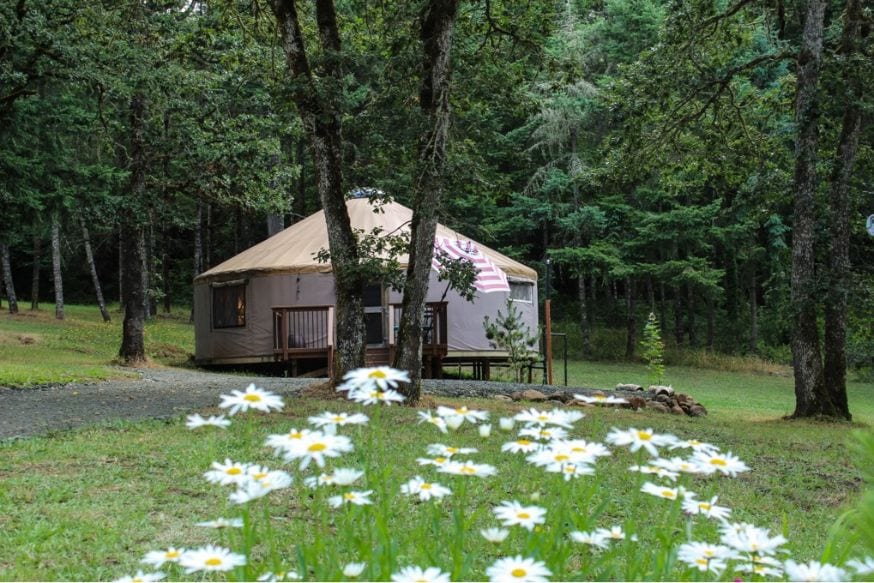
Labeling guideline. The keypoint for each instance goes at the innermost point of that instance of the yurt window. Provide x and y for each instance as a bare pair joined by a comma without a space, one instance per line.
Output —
521,291
229,306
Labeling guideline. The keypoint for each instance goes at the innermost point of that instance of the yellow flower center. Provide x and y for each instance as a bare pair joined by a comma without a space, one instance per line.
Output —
708,553
461,410
377,374
379,394
213,562
705,506
440,460
295,435
543,418
644,435
338,419
233,471
252,397
600,397
668,494
349,496
518,572
523,515
545,433
570,469
451,450
579,449
425,486
169,555
701,561
523,442
260,475
561,457
718,461
467,470
317,447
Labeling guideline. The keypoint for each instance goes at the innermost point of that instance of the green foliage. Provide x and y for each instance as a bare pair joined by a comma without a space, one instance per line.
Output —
653,350
509,333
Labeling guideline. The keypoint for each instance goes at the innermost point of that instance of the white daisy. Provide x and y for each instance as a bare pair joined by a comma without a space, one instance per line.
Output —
521,445
518,568
543,433
210,558
749,538
280,576
495,535
352,570
195,421
141,577
724,463
424,490
660,491
705,557
570,470
676,464
222,523
453,422
328,419
435,420
257,487
709,509
157,558
506,423
375,396
555,417
593,539
601,399
229,472
378,377
660,472
640,438
694,445
252,398
469,415
613,533
316,446
439,461
864,566
419,575
512,513
283,441
358,498
467,469
814,571
438,449
485,430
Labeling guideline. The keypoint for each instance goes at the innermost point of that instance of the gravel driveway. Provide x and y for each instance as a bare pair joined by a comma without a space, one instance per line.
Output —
169,393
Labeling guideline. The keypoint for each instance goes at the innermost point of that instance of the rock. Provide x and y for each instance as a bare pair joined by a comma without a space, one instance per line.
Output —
556,401
24,339
664,399
697,411
656,406
677,410
662,389
636,403
501,398
683,398
517,396
627,387
563,397
532,395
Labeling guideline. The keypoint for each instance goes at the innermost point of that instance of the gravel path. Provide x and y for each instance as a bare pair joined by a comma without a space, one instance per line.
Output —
160,393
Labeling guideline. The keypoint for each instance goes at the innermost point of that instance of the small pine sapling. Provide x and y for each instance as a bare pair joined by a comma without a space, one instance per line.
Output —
509,333
653,350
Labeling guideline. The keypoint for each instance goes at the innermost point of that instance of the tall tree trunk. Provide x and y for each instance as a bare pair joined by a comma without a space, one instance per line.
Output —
318,104
754,311
810,396
198,249
630,320
35,268
133,346
89,257
690,315
57,276
835,364
300,201
593,289
120,268
207,246
165,269
7,278
585,331
147,269
437,22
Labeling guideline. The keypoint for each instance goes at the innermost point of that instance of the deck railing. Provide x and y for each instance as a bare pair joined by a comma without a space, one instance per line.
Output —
435,337
303,332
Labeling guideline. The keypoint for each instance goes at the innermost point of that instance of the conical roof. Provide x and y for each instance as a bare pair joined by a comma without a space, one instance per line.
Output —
293,250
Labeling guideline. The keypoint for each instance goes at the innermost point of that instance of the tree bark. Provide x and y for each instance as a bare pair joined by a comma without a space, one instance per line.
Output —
437,22
165,270
810,396
120,268
318,103
133,346
585,327
300,203
35,268
89,257
57,276
198,249
207,246
835,363
630,320
754,312
7,278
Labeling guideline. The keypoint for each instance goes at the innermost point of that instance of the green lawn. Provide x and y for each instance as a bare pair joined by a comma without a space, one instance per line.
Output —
35,348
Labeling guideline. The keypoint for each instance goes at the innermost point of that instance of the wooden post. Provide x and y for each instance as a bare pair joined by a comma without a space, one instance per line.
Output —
547,314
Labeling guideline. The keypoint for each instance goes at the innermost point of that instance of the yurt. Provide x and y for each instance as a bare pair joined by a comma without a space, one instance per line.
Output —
274,302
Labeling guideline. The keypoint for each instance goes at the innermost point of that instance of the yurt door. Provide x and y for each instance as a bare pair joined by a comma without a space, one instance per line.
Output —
374,314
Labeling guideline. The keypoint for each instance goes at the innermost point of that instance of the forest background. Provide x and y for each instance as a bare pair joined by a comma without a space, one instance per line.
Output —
648,148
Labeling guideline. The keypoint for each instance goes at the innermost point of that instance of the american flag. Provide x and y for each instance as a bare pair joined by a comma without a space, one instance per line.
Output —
489,278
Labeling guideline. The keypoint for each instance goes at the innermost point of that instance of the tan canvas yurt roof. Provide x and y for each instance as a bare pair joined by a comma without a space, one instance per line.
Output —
293,250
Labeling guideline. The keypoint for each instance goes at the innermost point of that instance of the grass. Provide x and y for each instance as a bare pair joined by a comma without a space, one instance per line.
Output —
87,504
37,349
